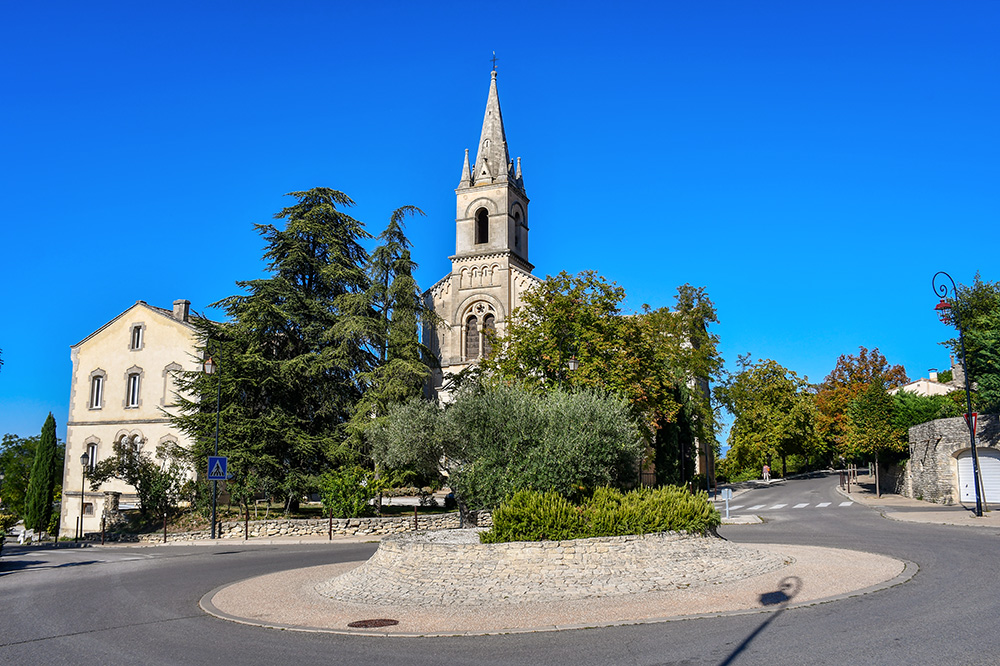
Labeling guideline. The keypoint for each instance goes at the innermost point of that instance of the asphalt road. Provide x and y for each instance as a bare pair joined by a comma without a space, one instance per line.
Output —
129,606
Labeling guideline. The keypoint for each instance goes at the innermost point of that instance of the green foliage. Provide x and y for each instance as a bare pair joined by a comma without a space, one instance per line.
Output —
17,455
7,521
158,486
977,309
945,376
851,375
649,359
300,348
346,492
42,482
774,416
910,409
535,516
871,429
497,438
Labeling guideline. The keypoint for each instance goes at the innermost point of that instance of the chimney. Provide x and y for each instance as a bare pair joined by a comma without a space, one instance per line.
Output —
181,309
933,374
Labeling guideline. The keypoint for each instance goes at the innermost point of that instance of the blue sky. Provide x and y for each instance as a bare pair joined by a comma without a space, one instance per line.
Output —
812,164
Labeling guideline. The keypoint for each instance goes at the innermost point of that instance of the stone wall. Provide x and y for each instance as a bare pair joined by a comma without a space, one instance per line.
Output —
445,568
934,447
319,527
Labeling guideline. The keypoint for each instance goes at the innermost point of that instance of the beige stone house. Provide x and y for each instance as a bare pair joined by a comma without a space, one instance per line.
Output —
123,386
490,270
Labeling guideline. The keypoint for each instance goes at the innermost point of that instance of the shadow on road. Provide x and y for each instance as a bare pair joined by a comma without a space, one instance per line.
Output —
787,589
9,566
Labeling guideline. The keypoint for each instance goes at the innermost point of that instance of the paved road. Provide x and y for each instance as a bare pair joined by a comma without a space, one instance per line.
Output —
128,606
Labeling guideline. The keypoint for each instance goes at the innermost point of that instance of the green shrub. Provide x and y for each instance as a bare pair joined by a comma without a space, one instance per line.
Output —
533,516
346,492
7,521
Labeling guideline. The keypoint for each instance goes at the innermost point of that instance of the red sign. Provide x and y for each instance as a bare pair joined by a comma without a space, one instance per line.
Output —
975,417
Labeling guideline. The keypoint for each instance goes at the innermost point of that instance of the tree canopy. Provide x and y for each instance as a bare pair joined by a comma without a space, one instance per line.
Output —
301,346
977,308
774,416
851,375
42,482
659,361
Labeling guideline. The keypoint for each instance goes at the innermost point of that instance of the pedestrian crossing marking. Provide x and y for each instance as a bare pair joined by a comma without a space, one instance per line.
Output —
754,508
846,503
799,506
822,505
779,506
735,506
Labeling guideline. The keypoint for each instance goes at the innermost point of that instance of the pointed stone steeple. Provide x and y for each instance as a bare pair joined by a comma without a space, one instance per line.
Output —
466,180
492,159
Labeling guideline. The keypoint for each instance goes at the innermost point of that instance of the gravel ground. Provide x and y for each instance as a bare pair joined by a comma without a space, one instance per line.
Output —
290,599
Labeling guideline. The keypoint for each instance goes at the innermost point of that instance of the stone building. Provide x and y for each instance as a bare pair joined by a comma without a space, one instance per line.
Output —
490,270
123,385
940,465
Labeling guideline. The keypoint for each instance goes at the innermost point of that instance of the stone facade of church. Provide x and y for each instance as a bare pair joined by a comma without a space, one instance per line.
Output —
490,270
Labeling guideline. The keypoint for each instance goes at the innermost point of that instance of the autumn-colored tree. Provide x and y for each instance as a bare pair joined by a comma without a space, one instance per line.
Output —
774,416
849,377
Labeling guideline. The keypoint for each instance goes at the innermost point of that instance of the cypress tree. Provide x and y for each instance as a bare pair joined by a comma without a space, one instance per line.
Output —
42,481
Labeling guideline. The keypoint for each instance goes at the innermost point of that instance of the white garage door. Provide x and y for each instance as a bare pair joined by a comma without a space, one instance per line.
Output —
989,467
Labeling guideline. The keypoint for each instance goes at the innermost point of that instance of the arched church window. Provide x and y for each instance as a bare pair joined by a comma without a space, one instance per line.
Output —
482,226
472,339
489,328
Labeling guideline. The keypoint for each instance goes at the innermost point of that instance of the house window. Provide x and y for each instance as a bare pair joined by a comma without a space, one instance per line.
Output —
96,391
482,226
88,508
472,339
489,328
133,383
91,456
135,339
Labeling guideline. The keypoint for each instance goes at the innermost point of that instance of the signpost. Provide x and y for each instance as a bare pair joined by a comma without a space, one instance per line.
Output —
727,494
217,466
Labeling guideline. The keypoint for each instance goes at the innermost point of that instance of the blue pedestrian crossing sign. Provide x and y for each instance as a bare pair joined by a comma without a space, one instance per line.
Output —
217,468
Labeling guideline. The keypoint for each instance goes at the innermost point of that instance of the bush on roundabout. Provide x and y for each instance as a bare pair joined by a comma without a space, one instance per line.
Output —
535,516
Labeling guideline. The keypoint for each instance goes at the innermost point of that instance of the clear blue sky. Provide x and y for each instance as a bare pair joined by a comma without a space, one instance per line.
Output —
811,163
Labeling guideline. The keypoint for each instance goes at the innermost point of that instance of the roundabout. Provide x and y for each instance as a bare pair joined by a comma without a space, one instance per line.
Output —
447,584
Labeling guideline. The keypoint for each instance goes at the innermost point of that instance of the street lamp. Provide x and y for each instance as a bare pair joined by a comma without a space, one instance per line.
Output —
573,363
210,368
84,460
944,309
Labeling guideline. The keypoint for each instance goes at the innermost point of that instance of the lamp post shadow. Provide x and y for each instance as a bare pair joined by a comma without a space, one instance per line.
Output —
789,587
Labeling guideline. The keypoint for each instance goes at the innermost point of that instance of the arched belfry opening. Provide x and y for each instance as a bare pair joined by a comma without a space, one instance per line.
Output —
472,338
482,226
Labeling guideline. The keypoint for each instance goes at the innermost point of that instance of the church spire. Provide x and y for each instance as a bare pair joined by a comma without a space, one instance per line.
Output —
492,159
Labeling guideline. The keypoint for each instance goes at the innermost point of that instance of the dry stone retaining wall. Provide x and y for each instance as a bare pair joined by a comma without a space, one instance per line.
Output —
932,472
319,527
446,568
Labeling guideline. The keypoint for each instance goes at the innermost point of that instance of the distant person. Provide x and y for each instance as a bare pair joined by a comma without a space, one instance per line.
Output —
767,472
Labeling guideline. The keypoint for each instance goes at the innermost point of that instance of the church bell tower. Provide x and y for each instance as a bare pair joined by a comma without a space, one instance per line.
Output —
490,268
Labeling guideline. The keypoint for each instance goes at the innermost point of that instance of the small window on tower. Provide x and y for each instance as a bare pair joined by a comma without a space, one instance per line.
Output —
471,339
517,229
482,226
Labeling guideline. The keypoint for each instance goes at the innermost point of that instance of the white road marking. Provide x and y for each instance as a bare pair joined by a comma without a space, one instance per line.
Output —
779,506
822,504
846,503
738,506
754,508
799,506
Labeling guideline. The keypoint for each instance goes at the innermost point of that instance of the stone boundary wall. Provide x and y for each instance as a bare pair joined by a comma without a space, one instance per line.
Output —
307,527
932,473
446,568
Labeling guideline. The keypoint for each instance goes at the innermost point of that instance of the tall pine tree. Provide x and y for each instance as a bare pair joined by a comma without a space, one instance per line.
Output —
42,482
290,356
403,361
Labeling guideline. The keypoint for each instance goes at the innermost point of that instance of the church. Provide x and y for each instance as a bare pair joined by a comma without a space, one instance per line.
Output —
490,270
